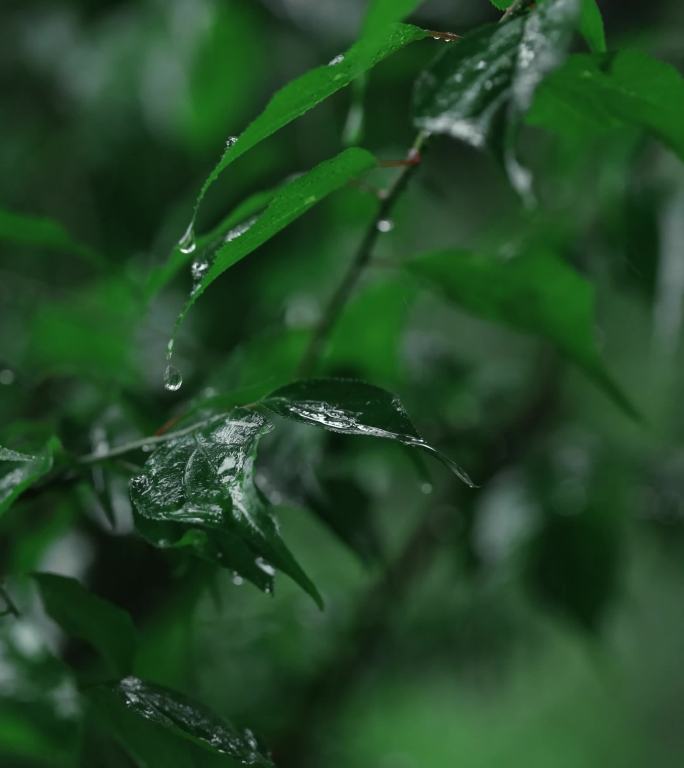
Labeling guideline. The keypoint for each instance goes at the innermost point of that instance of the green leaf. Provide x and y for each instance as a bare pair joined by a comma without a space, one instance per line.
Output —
201,486
239,216
478,89
535,292
353,407
179,716
595,94
305,92
382,13
80,613
291,202
591,26
19,471
39,232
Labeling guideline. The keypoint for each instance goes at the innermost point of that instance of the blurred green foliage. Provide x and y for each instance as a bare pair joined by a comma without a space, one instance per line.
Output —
505,294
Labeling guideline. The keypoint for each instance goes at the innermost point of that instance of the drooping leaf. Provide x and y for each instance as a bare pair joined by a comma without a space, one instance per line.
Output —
200,485
208,243
478,89
80,613
291,202
39,232
19,471
535,292
353,408
180,717
381,13
595,94
305,92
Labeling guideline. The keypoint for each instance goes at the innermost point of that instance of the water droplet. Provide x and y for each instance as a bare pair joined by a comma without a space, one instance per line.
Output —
240,230
187,243
337,60
140,483
237,579
173,380
231,141
385,225
426,488
481,65
7,377
199,269
265,566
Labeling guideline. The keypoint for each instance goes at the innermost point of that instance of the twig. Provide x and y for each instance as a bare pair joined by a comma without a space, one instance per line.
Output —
356,268
515,7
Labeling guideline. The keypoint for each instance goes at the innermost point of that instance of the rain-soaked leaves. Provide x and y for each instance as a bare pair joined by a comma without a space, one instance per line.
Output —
19,471
197,491
535,292
292,201
595,94
478,89
82,614
353,407
305,92
181,717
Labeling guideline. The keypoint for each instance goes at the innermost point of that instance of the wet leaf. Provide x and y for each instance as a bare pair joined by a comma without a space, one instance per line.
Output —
535,292
19,471
80,613
200,486
292,201
596,94
181,717
305,92
478,89
352,407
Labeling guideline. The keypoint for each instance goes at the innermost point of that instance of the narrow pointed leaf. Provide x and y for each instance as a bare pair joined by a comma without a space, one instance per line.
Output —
382,13
305,92
180,717
80,613
19,471
535,292
353,408
591,26
201,487
291,202
594,94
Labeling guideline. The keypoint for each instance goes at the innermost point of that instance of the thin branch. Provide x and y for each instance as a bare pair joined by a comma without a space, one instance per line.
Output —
358,265
515,7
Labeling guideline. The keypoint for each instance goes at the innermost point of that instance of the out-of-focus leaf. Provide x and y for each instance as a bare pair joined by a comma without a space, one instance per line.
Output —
80,613
535,292
38,232
292,201
478,89
591,26
382,13
180,720
353,408
19,471
594,94
305,92
203,481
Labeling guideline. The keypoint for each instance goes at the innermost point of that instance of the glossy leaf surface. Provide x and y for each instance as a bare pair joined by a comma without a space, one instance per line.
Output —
82,614
19,471
353,407
201,486
182,717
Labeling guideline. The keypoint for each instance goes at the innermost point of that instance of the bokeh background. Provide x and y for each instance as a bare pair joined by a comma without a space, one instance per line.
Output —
542,623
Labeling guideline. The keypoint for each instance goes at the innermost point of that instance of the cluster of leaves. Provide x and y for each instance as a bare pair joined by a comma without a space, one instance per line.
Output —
197,492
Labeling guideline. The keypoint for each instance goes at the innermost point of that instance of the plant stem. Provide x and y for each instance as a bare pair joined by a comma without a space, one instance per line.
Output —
356,268
516,6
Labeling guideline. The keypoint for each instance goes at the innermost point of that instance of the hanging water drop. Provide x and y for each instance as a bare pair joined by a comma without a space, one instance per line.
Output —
199,269
187,243
231,141
173,380
385,225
